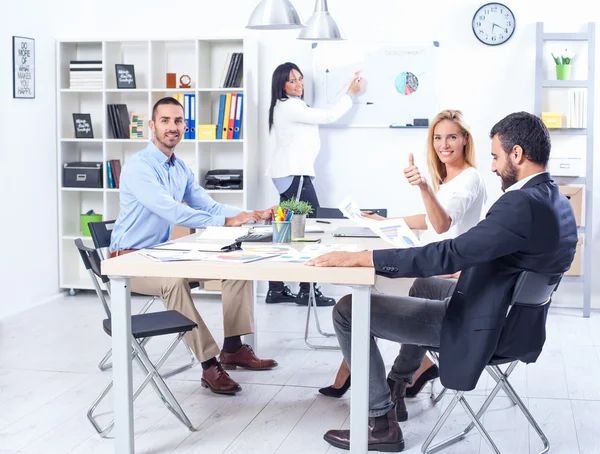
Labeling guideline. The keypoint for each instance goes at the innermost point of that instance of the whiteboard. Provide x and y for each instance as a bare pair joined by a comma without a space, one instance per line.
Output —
399,81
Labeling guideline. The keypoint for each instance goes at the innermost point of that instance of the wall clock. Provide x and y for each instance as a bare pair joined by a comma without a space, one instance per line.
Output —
493,24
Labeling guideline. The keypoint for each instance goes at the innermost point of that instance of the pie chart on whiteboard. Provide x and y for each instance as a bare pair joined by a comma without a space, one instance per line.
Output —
406,83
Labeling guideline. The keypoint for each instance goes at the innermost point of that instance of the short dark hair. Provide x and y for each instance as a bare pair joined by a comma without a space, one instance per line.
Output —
163,101
281,75
527,131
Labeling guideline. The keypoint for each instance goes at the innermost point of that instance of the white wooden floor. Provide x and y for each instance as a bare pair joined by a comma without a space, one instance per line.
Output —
48,378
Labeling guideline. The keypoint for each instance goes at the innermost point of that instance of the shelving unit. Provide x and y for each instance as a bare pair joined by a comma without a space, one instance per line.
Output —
578,166
203,59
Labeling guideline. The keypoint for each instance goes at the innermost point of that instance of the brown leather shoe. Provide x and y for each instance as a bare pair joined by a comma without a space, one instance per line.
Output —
245,358
383,439
219,381
398,389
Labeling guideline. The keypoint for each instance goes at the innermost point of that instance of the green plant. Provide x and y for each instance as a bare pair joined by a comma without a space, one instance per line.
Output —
563,59
297,206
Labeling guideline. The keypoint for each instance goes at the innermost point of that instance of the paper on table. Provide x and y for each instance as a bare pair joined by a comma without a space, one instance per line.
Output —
223,233
272,249
238,256
172,256
325,248
394,231
205,247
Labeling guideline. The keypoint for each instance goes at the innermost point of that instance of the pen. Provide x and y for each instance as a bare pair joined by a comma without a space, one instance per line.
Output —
323,222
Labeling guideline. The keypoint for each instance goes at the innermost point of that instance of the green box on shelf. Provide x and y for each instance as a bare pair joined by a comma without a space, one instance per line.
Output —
85,219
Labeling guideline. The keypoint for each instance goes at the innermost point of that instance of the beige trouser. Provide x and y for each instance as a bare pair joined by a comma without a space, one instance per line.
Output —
238,309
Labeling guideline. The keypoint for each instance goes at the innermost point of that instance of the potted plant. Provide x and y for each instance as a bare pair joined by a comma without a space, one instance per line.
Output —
300,210
563,65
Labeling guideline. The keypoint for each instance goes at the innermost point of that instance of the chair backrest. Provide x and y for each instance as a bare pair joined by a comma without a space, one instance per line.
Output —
534,289
334,213
91,261
101,234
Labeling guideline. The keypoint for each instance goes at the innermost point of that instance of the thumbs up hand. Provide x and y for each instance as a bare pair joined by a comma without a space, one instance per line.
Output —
412,173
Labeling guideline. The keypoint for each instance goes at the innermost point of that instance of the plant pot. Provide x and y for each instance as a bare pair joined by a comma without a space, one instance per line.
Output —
298,225
563,72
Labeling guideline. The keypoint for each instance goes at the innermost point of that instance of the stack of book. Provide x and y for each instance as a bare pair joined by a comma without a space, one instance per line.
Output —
577,109
233,71
85,74
118,119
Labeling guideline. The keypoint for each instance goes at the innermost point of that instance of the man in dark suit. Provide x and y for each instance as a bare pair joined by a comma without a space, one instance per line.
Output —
531,227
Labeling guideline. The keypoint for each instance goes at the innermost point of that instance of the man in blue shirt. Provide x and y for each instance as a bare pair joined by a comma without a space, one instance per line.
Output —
153,184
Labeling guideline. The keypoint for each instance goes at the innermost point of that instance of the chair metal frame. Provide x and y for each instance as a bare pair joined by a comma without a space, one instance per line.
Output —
532,290
101,235
325,213
91,260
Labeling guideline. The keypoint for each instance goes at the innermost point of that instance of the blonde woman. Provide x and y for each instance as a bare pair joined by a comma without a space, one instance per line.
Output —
453,204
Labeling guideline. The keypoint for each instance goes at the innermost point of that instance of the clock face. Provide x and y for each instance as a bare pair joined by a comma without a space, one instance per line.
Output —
493,24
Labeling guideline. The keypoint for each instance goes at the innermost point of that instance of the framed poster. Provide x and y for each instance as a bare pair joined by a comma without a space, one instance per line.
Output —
23,67
125,76
83,126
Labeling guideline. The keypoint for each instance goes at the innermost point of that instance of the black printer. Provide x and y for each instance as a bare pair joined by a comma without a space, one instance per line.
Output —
224,179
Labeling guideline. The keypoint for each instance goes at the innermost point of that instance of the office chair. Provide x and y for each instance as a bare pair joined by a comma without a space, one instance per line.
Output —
326,213
143,328
531,290
101,234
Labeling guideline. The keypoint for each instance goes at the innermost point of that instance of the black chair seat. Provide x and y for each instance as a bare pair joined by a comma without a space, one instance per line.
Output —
155,324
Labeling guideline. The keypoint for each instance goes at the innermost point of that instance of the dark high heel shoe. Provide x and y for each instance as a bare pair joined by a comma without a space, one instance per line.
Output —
330,391
431,373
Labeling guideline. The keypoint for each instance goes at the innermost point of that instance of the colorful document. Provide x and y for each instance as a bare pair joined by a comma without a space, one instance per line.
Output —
172,256
238,257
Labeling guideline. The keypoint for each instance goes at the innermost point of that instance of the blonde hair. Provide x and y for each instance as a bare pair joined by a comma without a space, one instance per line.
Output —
437,169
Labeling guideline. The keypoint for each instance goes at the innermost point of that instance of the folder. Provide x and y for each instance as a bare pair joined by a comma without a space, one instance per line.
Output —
186,115
226,116
111,183
238,116
192,120
115,165
222,100
231,116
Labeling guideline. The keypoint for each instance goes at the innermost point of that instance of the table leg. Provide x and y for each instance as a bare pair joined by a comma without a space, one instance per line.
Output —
252,339
121,350
359,392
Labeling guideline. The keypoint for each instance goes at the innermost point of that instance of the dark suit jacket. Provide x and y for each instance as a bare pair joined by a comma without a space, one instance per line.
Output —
528,229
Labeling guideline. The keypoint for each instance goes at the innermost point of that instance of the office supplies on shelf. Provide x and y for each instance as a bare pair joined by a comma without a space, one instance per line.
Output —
222,101
237,124
82,175
185,81
171,80
125,75
82,123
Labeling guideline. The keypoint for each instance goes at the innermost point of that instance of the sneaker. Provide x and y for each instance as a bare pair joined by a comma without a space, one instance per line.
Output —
285,296
322,300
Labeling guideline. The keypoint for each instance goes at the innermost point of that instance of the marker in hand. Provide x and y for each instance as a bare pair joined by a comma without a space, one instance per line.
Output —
357,75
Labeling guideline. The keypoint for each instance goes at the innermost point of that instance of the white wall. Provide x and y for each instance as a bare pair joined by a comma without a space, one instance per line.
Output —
486,83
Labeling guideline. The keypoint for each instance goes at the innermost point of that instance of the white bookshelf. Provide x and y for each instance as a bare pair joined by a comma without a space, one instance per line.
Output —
572,156
203,59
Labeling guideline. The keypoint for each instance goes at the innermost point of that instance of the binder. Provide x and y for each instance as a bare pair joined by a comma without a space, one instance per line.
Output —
231,72
238,116
111,182
239,72
186,116
231,116
222,100
124,116
226,116
225,70
192,121
115,165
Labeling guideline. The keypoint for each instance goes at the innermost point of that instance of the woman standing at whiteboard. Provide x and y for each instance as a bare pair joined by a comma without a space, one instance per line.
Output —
297,144
453,204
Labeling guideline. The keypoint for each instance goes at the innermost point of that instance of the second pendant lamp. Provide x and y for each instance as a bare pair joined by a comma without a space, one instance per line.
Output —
321,26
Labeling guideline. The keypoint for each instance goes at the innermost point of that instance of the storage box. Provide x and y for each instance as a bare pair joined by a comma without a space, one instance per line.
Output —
575,269
575,195
179,231
552,119
206,132
87,218
212,286
566,167
82,175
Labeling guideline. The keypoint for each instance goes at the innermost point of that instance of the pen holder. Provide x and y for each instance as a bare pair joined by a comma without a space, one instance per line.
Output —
298,225
282,232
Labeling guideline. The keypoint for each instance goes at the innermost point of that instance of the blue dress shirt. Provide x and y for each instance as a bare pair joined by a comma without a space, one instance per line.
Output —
152,188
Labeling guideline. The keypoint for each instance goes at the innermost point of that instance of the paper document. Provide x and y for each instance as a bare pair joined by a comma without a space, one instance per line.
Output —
205,247
223,233
272,249
325,248
394,231
238,257
172,256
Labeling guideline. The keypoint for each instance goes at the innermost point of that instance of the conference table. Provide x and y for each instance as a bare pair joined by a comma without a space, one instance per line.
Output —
121,269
